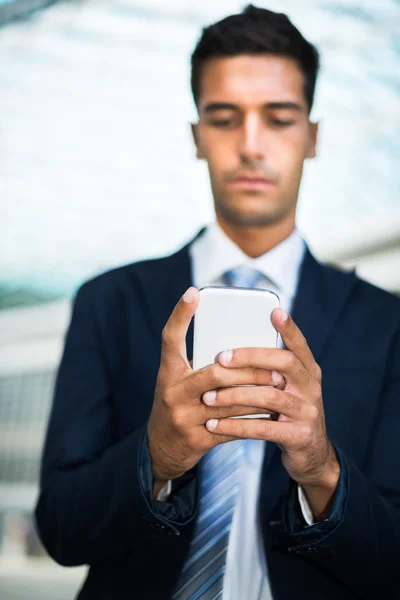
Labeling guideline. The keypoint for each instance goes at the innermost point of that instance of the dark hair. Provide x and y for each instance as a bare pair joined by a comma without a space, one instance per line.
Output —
255,31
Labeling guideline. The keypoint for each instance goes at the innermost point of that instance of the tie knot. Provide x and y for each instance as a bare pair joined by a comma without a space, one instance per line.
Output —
243,276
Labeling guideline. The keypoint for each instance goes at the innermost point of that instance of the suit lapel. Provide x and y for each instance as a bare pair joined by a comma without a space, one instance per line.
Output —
163,283
321,295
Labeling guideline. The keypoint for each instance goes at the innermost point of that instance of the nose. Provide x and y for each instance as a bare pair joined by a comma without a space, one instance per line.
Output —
251,143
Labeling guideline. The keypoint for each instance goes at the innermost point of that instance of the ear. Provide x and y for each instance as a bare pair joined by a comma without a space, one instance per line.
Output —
197,140
313,140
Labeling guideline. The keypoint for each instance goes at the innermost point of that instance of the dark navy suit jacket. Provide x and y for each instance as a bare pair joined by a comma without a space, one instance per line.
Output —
94,506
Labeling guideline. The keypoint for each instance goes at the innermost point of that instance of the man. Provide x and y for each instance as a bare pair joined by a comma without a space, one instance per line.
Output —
133,476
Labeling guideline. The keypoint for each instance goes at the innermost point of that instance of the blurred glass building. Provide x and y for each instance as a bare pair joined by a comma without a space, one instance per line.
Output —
97,169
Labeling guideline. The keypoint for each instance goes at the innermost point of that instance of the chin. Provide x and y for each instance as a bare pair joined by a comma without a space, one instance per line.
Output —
247,216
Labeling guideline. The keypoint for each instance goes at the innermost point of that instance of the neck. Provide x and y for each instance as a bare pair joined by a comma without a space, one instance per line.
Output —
256,241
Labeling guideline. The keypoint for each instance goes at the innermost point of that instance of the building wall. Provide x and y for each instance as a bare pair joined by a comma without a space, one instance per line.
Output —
98,169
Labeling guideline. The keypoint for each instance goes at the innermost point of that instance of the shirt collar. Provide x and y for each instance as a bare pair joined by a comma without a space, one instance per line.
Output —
214,252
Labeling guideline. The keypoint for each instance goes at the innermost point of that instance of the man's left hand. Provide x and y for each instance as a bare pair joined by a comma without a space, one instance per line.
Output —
299,430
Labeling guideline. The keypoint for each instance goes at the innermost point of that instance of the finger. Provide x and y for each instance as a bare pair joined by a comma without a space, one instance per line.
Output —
216,376
294,340
258,397
255,429
175,331
225,412
275,360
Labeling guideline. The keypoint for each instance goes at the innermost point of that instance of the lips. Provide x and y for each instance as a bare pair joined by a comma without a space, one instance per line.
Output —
252,182
253,179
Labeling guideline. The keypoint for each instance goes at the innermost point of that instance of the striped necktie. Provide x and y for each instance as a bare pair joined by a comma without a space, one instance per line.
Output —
219,471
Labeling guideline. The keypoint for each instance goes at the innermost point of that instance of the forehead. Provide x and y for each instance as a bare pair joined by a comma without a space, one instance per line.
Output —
251,80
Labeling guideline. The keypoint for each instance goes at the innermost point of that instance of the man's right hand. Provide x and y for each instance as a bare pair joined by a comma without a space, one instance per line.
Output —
177,435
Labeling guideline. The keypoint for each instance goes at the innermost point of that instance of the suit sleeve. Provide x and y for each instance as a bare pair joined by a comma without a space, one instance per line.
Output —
181,502
92,504
360,543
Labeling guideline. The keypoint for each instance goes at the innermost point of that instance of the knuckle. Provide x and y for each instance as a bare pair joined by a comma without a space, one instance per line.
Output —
215,376
179,418
305,436
291,360
317,372
318,392
313,412
162,376
315,395
192,443
166,335
169,397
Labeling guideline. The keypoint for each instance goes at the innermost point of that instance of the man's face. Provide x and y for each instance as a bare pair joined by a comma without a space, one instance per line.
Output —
254,131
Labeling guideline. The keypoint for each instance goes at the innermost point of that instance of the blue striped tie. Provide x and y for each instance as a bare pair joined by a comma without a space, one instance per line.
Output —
219,471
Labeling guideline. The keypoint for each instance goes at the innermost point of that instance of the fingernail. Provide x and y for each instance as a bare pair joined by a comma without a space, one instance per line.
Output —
209,397
188,296
212,424
225,357
276,377
284,316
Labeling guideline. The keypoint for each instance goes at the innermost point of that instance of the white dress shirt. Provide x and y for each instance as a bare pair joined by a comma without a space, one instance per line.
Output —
212,254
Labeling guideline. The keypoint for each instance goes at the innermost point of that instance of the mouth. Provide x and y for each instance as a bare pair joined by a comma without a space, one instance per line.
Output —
252,183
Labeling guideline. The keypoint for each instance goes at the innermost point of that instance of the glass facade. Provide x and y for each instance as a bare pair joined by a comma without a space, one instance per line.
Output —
98,166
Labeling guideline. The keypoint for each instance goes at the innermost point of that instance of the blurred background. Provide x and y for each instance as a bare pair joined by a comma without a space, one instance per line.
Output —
97,169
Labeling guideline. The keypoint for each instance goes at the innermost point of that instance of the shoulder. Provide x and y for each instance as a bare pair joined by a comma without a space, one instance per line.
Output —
362,286
124,279
366,297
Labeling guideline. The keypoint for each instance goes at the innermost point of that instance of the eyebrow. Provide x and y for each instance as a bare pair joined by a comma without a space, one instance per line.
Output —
285,106
219,106
215,106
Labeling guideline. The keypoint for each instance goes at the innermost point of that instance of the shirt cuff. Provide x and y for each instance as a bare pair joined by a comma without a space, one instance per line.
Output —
165,492
295,520
176,501
305,507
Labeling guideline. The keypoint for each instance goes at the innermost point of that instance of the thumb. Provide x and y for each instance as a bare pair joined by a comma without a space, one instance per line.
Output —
175,331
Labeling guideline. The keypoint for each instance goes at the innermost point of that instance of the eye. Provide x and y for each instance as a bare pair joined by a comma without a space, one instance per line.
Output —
222,123
281,123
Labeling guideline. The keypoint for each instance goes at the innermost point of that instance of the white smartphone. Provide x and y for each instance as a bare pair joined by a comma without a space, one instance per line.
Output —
228,318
